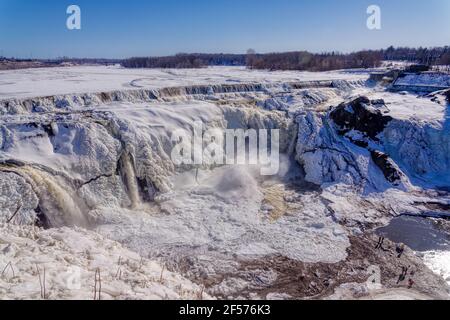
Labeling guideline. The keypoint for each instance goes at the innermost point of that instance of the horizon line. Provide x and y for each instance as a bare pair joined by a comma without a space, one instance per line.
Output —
218,53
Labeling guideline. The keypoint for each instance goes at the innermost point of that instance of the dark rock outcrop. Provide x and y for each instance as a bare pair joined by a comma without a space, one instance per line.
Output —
447,94
390,170
417,68
360,115
366,118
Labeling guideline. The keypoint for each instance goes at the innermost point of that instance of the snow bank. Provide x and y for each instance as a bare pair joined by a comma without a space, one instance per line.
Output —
439,262
70,258
427,79
421,149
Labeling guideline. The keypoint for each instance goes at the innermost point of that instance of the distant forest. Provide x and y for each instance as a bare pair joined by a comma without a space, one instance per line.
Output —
314,62
425,56
182,60
13,63
301,60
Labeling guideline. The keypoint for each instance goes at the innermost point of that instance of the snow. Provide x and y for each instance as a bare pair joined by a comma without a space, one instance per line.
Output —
30,83
16,193
411,107
70,258
430,79
439,262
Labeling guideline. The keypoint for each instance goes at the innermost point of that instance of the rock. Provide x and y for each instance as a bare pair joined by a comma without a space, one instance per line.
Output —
378,102
417,68
388,166
360,115
447,94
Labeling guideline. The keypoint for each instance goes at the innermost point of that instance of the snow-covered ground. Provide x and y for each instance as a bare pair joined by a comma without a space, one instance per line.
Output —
432,79
93,162
64,262
30,83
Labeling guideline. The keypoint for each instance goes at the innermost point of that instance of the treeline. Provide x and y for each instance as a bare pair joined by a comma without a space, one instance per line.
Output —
15,60
186,61
87,61
425,56
299,60
273,61
306,61
222,59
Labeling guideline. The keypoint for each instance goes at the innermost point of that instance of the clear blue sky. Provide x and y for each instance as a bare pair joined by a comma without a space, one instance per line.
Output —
115,28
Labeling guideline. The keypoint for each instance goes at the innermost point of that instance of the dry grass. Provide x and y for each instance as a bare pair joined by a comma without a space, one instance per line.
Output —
97,285
9,264
161,279
44,295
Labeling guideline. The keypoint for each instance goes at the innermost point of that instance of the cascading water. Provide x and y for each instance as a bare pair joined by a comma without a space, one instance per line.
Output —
55,200
129,178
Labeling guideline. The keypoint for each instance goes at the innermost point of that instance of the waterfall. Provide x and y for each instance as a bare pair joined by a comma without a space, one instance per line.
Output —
129,179
58,205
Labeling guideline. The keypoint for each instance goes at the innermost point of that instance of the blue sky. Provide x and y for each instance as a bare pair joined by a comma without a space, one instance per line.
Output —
115,28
